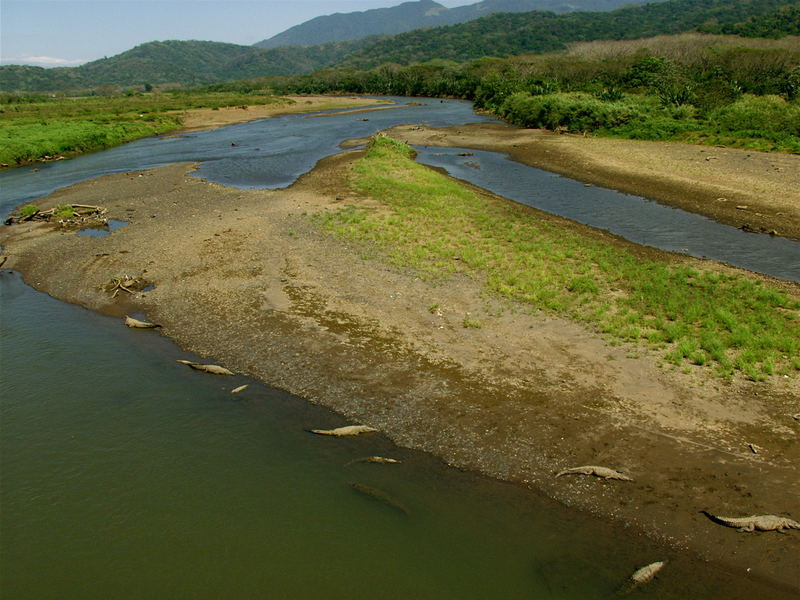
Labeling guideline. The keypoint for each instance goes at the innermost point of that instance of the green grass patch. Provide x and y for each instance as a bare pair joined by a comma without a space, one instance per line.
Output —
28,211
439,227
60,126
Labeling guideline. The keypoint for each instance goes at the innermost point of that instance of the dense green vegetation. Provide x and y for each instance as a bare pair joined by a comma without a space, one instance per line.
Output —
178,63
438,227
782,22
509,34
416,15
712,89
190,63
33,128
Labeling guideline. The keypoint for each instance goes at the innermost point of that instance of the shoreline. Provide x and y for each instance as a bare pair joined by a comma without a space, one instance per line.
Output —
244,277
755,191
199,119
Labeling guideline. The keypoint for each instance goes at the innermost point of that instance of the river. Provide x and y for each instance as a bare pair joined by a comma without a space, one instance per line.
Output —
126,475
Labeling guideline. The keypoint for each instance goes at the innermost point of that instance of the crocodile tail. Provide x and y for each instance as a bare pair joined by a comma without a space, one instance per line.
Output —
714,518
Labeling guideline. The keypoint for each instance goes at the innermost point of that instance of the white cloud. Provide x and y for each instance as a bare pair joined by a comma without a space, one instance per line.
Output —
42,61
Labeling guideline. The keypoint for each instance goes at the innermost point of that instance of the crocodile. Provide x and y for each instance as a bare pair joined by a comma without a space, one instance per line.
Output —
375,459
213,369
603,472
349,430
379,495
241,388
756,522
642,576
137,324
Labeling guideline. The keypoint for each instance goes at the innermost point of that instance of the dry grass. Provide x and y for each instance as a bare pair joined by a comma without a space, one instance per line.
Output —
684,48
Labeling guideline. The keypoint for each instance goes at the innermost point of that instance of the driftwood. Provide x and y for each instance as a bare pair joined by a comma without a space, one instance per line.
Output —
70,216
125,283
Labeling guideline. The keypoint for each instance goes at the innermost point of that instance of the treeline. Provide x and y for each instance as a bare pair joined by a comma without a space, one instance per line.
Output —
508,34
784,21
178,63
696,91
190,63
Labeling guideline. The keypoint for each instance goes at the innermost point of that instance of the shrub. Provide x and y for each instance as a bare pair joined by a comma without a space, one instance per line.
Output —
575,111
758,113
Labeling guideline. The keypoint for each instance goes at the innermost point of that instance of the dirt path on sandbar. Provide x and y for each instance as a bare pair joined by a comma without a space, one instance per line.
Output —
248,279
755,191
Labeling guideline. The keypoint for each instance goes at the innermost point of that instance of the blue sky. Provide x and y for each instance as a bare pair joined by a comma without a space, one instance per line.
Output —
70,32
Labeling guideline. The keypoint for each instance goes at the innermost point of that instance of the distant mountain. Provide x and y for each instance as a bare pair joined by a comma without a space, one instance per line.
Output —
186,63
501,34
417,15
351,26
506,34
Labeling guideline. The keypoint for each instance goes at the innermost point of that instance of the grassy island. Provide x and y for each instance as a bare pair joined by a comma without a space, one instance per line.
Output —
433,224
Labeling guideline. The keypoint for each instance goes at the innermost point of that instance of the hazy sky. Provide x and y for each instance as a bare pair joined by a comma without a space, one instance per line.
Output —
69,32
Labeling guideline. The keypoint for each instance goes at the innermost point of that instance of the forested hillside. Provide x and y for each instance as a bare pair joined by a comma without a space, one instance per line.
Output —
185,63
782,22
510,34
417,15
189,63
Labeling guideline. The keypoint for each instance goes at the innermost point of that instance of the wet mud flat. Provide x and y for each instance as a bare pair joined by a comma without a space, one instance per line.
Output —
247,278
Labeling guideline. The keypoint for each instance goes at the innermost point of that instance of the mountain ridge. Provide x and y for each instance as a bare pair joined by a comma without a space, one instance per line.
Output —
505,34
191,63
181,62
418,14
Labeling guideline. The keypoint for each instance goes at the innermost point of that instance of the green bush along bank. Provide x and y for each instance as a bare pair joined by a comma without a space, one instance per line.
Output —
438,227
695,88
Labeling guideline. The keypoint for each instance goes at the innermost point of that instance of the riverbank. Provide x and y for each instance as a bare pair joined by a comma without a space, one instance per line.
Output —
209,118
248,278
755,191
55,129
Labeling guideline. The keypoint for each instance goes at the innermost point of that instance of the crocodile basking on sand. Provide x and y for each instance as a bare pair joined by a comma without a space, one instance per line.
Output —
213,369
347,431
756,522
603,472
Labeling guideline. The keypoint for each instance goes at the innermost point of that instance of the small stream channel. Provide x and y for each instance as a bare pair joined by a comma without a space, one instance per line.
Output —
127,475
632,217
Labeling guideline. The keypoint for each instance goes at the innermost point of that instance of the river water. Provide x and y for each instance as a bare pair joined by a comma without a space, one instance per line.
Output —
273,153
127,475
